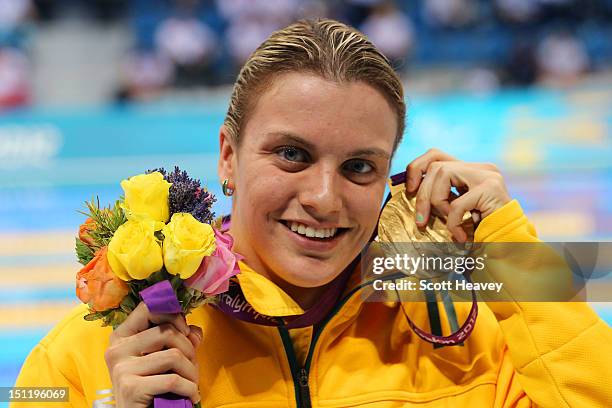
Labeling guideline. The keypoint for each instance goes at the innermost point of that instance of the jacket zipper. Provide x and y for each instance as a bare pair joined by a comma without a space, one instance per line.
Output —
301,374
304,389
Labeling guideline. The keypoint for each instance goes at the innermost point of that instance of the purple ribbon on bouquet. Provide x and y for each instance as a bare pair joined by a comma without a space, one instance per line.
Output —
160,298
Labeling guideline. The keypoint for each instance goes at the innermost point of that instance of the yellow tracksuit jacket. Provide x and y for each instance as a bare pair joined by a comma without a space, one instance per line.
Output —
519,354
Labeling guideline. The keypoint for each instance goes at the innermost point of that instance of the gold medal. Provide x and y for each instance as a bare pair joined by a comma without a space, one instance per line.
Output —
399,233
397,221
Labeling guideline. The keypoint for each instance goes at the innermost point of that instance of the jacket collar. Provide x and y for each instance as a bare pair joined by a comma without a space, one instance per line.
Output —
264,295
266,298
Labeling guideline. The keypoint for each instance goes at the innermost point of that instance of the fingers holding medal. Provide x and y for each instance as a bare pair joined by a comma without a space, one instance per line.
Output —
480,186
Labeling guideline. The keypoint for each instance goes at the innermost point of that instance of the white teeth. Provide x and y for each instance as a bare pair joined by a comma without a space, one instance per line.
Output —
312,232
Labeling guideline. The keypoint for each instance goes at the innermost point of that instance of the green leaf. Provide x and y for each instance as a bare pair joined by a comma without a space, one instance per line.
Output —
176,282
84,252
115,318
128,304
106,221
93,316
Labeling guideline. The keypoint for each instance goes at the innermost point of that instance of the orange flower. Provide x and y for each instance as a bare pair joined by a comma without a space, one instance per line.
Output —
98,286
84,231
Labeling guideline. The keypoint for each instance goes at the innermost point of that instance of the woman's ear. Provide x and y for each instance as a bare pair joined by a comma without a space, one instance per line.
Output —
227,155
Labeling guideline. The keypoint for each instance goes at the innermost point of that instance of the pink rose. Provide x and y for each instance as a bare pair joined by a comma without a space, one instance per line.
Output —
213,275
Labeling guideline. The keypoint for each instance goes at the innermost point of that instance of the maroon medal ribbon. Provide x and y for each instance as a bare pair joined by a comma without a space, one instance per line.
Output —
466,328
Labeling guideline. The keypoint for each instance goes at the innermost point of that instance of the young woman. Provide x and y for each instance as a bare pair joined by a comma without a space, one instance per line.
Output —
314,119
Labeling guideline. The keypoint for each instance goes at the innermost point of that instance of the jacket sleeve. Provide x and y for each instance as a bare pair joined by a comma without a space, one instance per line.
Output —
40,371
561,352
71,355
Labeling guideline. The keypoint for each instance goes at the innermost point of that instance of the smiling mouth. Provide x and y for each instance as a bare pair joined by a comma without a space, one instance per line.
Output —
319,234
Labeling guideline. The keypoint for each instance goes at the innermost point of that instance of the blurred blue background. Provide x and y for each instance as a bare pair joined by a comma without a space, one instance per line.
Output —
93,92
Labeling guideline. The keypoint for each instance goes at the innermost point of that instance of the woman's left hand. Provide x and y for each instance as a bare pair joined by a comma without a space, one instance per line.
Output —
432,175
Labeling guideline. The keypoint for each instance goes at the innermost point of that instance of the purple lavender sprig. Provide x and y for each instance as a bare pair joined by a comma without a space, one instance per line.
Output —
187,195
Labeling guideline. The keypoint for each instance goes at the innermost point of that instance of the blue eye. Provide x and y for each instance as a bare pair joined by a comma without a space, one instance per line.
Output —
293,154
358,166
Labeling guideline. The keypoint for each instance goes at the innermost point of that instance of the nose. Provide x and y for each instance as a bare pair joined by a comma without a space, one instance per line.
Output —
320,193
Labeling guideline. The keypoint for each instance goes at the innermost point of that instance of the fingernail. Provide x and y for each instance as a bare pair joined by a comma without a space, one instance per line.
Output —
197,330
419,217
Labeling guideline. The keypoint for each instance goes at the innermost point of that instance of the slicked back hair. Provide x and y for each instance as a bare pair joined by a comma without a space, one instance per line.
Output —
323,47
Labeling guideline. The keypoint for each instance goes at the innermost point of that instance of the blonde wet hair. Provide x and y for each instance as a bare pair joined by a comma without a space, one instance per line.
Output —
323,47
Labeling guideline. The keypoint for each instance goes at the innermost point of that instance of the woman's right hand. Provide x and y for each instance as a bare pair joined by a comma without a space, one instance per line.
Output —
151,354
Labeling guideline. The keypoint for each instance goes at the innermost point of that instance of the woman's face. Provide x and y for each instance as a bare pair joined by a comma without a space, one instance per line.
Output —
309,177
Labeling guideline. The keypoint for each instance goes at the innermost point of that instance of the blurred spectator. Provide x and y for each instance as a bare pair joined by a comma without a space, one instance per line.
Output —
562,10
390,30
517,11
45,9
190,44
252,21
481,81
14,22
357,11
313,9
14,13
561,59
14,79
244,36
186,41
521,68
450,13
108,10
279,11
143,76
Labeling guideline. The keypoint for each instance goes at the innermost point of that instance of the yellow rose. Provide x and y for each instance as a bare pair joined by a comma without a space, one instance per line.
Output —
186,242
134,252
146,196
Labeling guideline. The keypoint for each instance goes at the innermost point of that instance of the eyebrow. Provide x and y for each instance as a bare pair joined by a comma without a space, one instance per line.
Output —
371,152
290,137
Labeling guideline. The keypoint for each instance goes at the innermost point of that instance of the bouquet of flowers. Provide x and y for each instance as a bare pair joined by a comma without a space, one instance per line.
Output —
158,243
